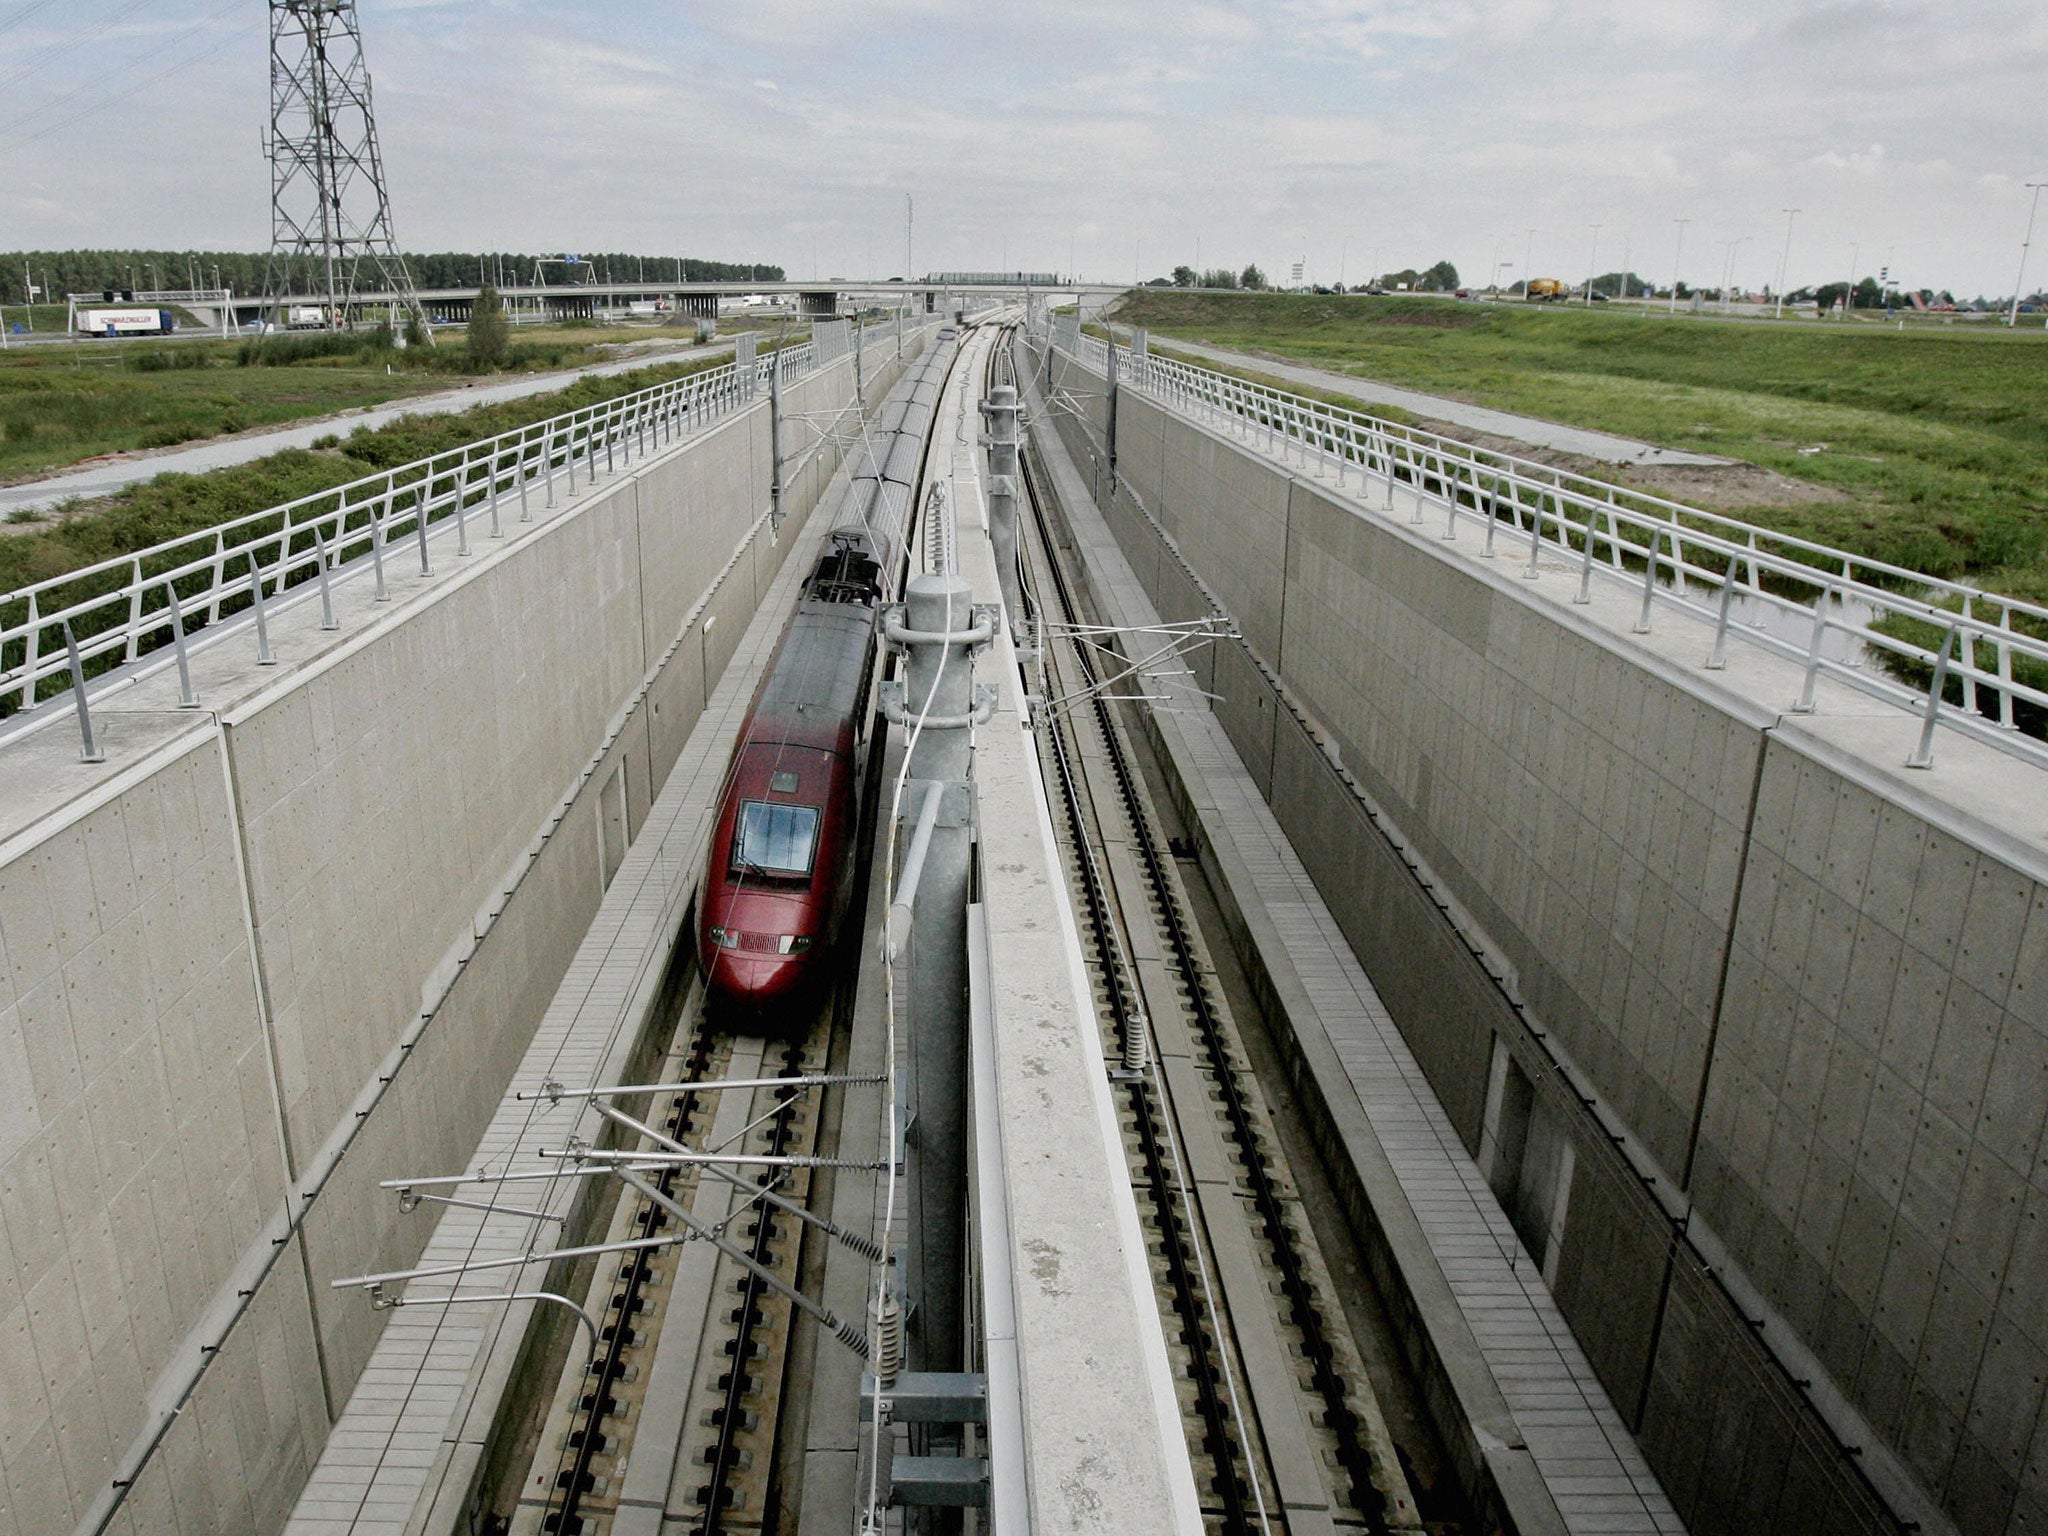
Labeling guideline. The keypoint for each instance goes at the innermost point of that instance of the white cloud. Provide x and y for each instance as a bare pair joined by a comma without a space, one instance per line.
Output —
758,129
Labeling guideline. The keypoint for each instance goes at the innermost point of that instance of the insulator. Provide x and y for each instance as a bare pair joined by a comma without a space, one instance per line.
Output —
888,1351
1134,1044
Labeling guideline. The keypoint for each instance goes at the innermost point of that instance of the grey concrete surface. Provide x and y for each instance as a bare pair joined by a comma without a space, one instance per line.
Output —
104,478
275,950
1787,987
1603,446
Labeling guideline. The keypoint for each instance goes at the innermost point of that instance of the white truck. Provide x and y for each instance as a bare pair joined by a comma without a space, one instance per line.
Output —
125,322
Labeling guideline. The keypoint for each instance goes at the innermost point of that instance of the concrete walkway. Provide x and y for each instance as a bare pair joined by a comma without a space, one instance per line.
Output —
106,478
1603,446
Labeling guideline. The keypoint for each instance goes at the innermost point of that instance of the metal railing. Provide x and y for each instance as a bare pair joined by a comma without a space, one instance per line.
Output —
130,605
1965,658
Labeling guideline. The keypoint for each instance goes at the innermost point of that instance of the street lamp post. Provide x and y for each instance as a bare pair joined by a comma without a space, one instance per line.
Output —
1849,293
1592,263
2012,316
1528,263
1676,257
1785,260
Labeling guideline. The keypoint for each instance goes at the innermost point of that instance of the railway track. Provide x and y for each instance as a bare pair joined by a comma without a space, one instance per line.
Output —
713,1322
1281,1419
726,1317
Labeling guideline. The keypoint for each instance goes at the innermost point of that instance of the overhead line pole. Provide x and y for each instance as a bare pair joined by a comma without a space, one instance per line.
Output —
1785,260
2019,283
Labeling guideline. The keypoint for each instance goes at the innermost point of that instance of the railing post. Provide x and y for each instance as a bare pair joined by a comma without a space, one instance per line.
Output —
419,529
1807,699
1649,581
462,508
1536,537
547,459
263,656
2005,719
1923,755
1717,659
1966,651
491,469
220,576
134,606
327,618
31,652
187,699
89,749
1585,593
378,514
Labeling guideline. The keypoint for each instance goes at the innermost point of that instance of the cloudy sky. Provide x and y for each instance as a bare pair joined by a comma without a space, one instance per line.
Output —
1126,132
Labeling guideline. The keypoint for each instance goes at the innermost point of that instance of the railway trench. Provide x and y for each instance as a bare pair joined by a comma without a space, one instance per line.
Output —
716,1398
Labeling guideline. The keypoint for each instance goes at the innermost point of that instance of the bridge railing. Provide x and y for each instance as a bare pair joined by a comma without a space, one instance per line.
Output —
1955,654
124,607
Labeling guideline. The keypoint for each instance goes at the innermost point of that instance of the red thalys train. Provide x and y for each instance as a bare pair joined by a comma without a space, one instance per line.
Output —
780,865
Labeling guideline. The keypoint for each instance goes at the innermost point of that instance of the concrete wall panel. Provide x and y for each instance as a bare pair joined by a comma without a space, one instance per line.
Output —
1871,1144
139,1144
386,793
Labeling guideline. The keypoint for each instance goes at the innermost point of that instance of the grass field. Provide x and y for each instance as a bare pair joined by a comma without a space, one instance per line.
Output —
62,404
174,504
1929,448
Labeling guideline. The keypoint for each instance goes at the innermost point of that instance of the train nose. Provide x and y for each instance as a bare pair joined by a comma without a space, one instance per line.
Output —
757,981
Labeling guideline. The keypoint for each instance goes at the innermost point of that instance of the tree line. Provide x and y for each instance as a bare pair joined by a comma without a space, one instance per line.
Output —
56,273
1441,278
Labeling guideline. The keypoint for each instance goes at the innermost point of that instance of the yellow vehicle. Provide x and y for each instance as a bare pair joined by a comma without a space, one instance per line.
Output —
1546,290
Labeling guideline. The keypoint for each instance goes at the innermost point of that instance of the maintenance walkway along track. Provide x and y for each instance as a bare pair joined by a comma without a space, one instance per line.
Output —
1285,1428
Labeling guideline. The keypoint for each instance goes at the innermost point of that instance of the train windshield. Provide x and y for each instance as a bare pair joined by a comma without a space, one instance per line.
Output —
775,839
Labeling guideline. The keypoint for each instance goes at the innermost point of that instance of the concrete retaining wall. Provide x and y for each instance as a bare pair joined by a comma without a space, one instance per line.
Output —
1779,994
268,956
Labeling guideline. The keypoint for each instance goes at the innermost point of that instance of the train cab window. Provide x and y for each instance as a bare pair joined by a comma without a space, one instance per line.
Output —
783,783
775,839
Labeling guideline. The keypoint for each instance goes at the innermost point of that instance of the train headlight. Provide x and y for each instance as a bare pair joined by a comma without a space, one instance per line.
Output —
726,938
793,944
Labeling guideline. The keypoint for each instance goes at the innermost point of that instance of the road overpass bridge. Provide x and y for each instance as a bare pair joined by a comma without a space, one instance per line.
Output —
1489,1004
816,297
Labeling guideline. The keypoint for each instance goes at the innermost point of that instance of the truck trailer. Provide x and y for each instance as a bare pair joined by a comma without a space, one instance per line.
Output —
126,322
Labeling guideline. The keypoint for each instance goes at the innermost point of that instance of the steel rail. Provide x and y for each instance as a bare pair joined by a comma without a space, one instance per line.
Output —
1303,1308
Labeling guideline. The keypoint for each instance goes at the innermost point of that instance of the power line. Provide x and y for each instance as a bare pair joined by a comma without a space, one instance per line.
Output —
27,11
15,125
56,51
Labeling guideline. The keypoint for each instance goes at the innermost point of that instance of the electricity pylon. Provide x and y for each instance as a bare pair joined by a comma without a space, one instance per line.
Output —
330,213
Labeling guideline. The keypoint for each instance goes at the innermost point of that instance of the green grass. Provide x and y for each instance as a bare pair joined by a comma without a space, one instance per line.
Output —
63,404
173,504
1936,441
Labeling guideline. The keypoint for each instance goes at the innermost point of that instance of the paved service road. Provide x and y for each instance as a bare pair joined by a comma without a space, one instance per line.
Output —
116,474
1523,429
